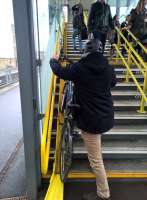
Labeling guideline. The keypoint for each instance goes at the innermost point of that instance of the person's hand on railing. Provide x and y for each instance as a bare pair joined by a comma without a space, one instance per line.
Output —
55,56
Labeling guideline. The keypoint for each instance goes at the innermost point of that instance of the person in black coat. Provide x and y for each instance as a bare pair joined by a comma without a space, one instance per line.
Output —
93,78
100,20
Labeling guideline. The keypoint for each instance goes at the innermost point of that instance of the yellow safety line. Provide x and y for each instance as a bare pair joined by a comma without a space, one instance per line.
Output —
110,174
56,188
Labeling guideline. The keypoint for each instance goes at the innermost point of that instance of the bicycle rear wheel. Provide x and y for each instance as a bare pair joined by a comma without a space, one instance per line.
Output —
66,150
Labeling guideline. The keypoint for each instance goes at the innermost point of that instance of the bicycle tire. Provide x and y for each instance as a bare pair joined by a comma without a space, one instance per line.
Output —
66,148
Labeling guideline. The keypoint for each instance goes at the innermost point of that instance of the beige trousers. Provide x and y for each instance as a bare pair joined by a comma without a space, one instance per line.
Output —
93,146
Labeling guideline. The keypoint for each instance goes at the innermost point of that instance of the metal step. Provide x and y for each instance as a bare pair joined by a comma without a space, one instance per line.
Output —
129,86
121,77
125,166
117,134
121,105
129,118
125,95
114,152
111,144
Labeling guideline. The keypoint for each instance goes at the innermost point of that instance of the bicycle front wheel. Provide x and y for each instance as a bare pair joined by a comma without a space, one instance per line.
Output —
66,150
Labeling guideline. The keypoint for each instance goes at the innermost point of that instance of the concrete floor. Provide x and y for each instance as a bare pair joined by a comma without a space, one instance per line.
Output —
12,167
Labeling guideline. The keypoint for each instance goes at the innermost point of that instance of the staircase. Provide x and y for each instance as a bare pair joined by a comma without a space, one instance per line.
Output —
125,146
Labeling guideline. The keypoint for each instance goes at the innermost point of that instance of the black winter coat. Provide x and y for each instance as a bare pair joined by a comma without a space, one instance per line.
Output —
93,78
100,17
138,25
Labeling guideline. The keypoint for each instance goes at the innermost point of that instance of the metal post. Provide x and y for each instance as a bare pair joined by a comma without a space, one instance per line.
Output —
144,90
128,3
23,17
118,45
129,63
117,7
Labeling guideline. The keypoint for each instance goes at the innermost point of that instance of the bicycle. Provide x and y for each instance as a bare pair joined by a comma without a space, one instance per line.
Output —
70,108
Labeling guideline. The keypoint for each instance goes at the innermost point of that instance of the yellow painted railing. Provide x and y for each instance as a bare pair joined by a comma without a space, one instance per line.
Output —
133,58
48,121
86,17
130,35
56,187
47,129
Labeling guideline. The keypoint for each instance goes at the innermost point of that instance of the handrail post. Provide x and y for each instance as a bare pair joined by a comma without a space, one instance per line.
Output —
118,44
145,90
65,42
129,63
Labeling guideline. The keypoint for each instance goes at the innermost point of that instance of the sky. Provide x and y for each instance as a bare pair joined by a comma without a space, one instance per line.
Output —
6,36
6,21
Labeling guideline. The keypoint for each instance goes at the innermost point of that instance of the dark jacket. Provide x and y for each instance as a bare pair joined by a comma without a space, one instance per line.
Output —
100,17
93,78
138,25
77,22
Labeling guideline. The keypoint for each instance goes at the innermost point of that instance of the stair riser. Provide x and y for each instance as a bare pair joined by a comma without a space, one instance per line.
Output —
116,137
130,121
123,88
127,97
132,156
128,108
107,137
122,79
117,122
112,156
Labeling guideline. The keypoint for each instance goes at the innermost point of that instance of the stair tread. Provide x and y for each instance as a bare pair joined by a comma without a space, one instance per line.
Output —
127,84
116,145
130,128
126,103
112,165
132,114
123,93
114,150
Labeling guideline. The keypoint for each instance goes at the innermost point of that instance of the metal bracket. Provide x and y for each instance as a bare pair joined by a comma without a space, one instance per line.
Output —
38,62
40,116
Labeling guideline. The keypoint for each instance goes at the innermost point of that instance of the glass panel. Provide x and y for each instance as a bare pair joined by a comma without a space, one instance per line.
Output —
54,10
8,61
43,20
12,162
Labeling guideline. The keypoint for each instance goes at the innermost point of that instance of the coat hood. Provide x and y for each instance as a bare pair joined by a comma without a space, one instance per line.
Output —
94,62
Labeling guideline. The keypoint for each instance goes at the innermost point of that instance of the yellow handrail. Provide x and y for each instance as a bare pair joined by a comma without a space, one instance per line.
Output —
131,48
56,187
47,128
131,74
137,41
45,146
133,56
86,17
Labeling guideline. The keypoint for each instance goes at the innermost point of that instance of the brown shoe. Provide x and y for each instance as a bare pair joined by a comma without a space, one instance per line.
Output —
93,196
